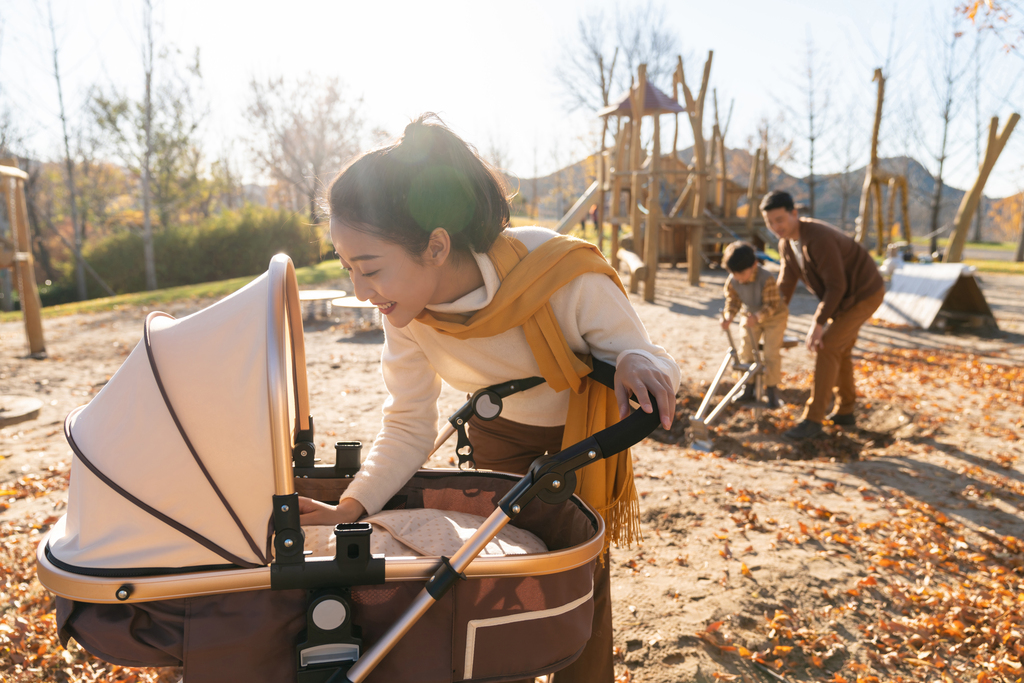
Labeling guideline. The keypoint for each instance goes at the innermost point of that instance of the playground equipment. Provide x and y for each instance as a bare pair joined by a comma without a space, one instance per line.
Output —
969,204
874,180
16,254
938,296
704,200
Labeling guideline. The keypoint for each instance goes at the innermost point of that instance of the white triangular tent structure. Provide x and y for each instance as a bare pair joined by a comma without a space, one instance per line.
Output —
936,295
177,457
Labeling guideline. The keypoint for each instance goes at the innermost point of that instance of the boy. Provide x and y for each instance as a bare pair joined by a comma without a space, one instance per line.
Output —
752,289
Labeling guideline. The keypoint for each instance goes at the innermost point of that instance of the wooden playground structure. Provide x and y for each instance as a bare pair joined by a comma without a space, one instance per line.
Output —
876,182
16,254
676,211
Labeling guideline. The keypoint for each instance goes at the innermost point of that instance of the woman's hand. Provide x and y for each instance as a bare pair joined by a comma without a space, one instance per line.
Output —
314,513
638,375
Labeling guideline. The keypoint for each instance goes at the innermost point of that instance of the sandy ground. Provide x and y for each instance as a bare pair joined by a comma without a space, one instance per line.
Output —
733,538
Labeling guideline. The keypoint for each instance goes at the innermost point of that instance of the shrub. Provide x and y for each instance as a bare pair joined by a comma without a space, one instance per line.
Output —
232,244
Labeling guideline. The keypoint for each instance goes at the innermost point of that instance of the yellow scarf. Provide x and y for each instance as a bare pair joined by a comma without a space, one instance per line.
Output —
528,279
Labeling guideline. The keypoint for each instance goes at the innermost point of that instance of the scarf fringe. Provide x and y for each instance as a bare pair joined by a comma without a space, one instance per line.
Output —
622,519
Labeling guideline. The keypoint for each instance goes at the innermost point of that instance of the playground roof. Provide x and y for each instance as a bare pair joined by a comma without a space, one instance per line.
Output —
655,102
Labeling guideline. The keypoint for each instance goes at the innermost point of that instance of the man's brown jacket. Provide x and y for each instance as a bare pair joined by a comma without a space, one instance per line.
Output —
836,268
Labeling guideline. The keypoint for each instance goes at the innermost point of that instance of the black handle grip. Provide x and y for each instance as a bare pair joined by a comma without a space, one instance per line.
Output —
630,431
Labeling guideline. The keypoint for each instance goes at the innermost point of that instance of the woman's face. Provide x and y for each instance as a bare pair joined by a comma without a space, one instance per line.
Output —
384,273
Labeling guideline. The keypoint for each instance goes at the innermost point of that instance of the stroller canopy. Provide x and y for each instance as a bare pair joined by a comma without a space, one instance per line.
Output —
178,457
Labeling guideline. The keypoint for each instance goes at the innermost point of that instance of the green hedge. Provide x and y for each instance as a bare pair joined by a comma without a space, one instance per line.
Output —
232,244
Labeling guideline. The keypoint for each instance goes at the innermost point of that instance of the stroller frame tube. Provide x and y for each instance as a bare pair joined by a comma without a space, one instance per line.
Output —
447,573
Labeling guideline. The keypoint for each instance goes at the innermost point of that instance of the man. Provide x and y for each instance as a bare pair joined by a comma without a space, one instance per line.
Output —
845,278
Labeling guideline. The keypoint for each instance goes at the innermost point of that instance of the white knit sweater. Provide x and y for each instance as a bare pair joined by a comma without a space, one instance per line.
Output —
595,318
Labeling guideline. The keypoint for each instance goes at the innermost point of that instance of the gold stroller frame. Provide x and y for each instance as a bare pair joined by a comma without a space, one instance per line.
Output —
290,427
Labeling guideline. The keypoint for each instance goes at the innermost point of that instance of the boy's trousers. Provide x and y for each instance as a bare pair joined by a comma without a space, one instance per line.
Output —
773,329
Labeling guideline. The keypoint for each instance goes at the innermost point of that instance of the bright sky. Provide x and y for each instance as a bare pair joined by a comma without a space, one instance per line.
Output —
487,67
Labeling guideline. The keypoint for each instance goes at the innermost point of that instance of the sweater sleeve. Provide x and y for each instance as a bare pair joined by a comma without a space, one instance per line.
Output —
612,329
409,422
790,273
828,262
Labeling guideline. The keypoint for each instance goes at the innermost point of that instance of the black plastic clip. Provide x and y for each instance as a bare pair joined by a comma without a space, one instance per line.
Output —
443,579
463,448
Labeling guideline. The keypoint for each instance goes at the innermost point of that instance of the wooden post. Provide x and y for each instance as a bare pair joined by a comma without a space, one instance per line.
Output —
1019,256
24,266
876,189
653,238
695,110
755,163
620,157
890,212
905,210
955,248
721,171
865,196
599,212
637,103
765,176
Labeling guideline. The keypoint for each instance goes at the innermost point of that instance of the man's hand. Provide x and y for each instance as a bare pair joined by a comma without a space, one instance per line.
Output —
314,513
814,335
751,321
636,374
725,324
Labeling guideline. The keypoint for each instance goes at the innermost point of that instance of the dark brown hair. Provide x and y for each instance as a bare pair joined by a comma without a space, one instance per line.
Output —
777,199
429,179
738,256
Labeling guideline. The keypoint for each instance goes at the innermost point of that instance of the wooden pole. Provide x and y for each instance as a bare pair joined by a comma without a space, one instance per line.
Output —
24,266
1019,256
695,110
637,103
620,157
865,196
905,211
890,214
653,238
955,248
876,190
755,163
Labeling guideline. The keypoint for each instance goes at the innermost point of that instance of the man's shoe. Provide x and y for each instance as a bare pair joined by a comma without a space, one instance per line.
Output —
772,397
845,420
746,397
805,430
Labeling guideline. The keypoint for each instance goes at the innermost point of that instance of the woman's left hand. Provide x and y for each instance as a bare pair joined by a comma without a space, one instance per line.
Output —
638,375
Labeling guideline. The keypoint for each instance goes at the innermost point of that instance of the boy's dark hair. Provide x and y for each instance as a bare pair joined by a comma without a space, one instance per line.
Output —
429,179
738,256
777,199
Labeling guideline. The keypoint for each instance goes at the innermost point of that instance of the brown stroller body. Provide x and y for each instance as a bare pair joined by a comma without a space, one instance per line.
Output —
181,544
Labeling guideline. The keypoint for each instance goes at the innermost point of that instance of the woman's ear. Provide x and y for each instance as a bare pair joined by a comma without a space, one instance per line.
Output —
439,247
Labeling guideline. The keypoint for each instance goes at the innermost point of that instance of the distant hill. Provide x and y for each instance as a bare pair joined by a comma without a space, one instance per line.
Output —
558,191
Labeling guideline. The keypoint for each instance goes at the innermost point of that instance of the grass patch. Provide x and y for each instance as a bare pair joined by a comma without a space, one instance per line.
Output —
310,275
986,246
995,266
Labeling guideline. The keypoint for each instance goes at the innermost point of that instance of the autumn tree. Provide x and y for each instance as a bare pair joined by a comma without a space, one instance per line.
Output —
303,132
947,86
1003,18
157,135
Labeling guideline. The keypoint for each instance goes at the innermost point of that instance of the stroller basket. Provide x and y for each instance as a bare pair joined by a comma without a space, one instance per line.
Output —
176,531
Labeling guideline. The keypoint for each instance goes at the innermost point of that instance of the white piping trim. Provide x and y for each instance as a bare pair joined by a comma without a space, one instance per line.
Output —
475,624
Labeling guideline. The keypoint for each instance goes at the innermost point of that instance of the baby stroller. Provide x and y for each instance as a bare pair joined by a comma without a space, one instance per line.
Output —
181,545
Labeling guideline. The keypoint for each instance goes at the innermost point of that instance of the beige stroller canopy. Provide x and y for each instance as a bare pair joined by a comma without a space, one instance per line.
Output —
176,465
